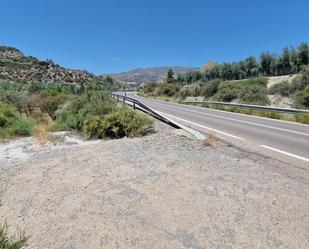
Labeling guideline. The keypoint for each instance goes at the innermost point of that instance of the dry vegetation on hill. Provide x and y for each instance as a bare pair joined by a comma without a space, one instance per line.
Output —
15,66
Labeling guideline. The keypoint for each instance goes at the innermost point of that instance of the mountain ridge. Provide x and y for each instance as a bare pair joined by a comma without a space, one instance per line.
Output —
15,66
151,74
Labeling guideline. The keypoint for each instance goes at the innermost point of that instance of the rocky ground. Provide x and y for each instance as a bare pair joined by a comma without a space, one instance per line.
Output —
163,190
15,66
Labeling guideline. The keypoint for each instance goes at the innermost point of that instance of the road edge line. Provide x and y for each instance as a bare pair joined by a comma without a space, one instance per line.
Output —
202,126
285,153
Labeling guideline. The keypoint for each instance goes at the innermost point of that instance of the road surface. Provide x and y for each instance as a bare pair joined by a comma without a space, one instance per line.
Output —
281,140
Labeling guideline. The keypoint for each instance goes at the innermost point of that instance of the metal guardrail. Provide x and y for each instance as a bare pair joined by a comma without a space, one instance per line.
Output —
254,107
141,107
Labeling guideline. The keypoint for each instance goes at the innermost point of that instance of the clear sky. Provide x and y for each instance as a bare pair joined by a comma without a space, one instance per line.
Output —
104,36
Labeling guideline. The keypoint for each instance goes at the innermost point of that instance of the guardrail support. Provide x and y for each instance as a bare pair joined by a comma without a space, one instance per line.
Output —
134,105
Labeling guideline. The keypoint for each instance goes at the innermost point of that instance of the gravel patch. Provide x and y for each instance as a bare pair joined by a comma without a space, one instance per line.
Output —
163,190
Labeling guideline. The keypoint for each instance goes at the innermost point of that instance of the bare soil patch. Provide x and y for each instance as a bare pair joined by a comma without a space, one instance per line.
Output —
159,191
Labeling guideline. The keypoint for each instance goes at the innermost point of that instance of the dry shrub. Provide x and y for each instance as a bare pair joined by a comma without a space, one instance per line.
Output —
40,131
210,141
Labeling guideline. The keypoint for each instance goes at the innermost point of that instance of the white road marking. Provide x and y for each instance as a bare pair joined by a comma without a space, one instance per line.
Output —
240,121
285,153
204,127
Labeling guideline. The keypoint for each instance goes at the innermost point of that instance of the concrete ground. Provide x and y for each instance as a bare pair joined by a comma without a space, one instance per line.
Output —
160,191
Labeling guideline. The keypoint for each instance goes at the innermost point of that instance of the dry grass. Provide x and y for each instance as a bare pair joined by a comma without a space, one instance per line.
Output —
40,131
210,141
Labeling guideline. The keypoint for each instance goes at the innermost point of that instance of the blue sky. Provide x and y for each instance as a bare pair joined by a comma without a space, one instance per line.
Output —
118,35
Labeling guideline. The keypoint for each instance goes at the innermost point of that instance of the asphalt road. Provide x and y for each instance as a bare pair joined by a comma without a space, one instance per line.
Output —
280,140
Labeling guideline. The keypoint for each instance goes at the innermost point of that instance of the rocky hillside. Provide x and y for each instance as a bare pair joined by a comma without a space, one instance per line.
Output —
15,66
145,75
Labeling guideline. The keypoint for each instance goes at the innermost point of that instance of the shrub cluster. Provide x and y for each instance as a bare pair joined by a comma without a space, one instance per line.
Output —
12,123
302,98
298,89
74,114
118,124
246,91
252,91
72,107
97,116
210,88
282,88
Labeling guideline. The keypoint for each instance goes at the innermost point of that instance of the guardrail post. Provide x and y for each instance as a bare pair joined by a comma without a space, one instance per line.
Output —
133,105
124,100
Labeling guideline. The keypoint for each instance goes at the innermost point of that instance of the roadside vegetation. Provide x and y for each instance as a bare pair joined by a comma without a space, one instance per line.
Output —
298,89
290,61
12,123
88,109
10,242
242,82
253,91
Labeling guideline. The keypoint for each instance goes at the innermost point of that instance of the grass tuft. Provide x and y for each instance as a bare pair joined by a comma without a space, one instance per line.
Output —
210,141
11,242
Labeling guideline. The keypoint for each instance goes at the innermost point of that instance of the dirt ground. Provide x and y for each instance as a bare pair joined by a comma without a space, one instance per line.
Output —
160,191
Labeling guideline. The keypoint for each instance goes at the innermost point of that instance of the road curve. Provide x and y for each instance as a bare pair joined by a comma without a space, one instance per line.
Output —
281,140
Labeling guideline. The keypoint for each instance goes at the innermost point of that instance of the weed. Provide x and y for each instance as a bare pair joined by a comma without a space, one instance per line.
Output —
210,141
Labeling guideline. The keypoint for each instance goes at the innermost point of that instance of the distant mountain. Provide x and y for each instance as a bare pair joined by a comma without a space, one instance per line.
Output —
146,75
15,66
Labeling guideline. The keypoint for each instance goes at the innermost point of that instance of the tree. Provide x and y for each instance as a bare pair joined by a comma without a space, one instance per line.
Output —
266,63
109,79
295,62
290,61
285,62
252,67
303,53
170,76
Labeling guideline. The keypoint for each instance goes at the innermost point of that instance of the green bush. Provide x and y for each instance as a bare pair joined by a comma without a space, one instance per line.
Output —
261,81
254,94
252,91
296,84
302,98
300,82
210,88
149,88
282,88
228,91
305,77
50,101
12,123
169,90
118,124
96,115
82,108
187,91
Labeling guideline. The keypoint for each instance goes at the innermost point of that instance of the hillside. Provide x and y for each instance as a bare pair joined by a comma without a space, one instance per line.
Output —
15,66
145,75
